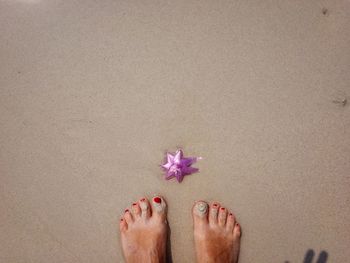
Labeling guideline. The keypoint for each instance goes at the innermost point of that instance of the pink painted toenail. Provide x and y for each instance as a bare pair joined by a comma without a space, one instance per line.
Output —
157,200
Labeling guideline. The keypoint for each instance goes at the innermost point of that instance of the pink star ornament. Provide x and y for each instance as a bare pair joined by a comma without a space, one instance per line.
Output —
179,166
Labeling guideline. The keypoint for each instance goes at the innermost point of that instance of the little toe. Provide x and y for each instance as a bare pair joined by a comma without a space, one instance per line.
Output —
213,213
159,207
200,212
123,226
222,216
136,210
145,208
230,222
128,217
237,231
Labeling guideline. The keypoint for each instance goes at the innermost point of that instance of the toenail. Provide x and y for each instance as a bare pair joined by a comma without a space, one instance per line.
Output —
222,208
157,200
202,209
230,214
215,205
134,204
143,200
121,220
158,204
126,210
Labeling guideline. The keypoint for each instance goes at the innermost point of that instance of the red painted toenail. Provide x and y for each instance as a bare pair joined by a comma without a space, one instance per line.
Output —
121,220
134,204
157,200
215,205
222,208
231,214
126,210
143,199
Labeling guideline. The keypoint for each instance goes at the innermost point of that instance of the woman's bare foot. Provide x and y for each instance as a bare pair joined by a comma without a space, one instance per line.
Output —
143,229
216,233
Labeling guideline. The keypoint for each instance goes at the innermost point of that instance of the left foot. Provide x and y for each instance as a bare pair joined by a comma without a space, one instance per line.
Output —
143,229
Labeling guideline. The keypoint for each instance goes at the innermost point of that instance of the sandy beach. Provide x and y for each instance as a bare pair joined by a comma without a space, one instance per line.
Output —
93,93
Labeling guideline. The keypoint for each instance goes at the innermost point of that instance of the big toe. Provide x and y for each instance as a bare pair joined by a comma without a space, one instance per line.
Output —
159,207
200,212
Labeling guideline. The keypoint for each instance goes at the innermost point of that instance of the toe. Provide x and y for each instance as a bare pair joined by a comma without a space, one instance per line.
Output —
213,213
230,222
222,216
123,226
136,210
200,212
128,217
159,207
145,208
237,231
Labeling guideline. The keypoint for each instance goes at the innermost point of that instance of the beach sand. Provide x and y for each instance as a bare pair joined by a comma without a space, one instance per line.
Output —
93,93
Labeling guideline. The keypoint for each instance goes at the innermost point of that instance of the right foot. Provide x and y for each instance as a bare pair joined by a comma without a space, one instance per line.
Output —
217,234
143,230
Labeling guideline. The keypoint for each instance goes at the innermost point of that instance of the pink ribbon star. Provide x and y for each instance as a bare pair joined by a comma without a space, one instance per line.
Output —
178,166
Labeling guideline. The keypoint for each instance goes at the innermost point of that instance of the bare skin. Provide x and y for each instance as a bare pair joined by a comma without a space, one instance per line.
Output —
143,230
144,227
216,234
